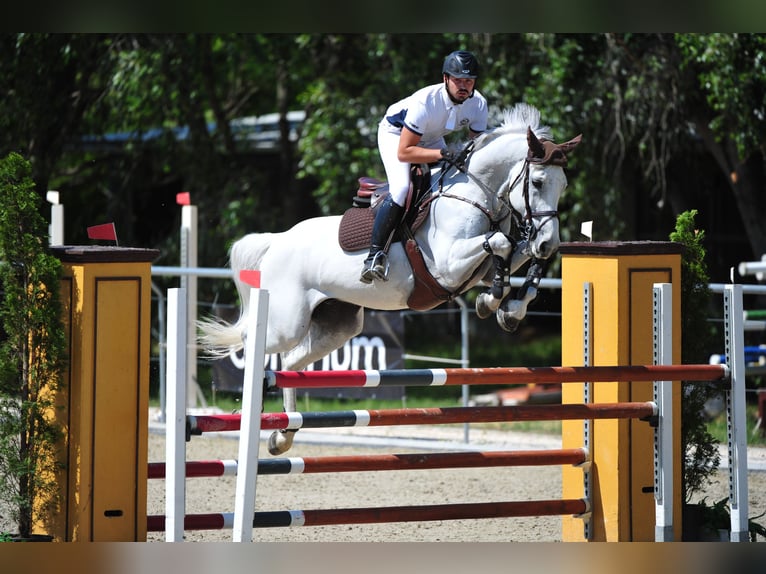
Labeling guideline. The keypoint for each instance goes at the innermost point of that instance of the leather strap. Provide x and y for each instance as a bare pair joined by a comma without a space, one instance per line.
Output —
427,293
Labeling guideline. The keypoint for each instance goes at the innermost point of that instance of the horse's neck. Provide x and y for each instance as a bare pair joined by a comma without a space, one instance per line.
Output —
465,195
492,164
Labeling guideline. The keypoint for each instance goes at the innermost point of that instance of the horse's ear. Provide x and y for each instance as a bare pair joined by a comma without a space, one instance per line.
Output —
571,144
536,148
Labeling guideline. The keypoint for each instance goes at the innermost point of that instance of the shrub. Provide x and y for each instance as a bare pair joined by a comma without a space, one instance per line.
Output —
32,349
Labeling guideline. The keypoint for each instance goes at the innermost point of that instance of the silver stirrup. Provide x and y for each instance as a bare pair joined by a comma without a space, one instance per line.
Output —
378,268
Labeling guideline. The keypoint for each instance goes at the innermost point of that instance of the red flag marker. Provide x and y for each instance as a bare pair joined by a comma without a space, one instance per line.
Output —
183,198
103,231
251,277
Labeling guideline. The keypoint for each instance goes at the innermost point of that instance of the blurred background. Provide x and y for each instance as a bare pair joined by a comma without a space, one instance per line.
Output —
266,129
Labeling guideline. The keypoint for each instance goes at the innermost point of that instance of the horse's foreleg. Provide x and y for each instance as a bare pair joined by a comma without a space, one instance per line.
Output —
489,301
511,312
281,441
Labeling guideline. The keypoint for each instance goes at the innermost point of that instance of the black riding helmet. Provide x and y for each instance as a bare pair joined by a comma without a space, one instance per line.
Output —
461,64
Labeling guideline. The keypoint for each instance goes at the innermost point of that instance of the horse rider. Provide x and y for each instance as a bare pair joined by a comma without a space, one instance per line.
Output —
412,132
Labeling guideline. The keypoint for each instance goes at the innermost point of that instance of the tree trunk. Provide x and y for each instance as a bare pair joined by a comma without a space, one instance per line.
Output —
747,185
746,181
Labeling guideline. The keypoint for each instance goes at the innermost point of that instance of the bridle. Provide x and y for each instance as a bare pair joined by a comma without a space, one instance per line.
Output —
541,152
525,222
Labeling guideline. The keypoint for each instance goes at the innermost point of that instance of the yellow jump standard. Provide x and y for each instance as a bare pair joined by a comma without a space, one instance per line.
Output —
606,302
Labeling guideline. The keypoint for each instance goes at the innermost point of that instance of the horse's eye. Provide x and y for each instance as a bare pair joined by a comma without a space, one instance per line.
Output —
538,183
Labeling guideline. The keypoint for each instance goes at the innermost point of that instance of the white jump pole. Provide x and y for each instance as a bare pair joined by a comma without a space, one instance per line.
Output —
663,398
736,420
175,420
757,268
252,404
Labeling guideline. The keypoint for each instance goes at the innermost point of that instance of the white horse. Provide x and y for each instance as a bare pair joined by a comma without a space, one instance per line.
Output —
513,180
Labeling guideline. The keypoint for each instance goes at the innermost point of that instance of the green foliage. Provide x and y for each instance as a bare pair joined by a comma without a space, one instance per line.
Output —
334,150
700,448
666,119
695,305
717,517
32,349
731,73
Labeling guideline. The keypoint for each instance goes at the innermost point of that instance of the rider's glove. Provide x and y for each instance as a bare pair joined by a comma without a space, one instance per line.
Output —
455,158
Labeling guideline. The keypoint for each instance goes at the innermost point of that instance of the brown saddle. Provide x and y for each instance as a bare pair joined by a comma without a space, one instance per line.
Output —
355,232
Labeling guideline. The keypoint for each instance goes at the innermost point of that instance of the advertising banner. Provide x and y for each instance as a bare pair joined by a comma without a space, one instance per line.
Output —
378,347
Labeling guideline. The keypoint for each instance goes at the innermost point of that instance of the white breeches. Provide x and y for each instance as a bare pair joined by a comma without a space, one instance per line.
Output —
397,173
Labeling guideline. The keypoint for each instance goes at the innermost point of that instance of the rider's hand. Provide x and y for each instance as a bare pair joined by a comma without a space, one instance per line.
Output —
455,158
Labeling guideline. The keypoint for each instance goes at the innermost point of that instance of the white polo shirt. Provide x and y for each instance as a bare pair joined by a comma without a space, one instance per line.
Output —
431,113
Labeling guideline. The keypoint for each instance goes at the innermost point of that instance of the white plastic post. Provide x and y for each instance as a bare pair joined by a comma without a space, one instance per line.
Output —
250,426
56,227
736,420
189,217
663,432
175,422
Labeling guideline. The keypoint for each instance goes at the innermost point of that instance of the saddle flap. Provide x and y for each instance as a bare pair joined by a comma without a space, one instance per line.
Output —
427,293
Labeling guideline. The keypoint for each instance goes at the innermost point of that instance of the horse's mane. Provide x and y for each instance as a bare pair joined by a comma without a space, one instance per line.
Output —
516,120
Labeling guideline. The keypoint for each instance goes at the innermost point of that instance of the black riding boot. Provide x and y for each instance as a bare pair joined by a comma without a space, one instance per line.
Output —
376,264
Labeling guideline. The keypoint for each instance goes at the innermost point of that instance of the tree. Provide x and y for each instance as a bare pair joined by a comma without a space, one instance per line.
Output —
654,110
730,75
670,123
53,82
699,448
32,351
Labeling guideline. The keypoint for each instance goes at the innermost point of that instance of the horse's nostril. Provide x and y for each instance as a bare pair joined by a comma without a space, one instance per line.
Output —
547,248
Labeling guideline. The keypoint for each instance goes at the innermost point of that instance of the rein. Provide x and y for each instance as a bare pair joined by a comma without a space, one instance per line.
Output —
494,223
540,152
524,222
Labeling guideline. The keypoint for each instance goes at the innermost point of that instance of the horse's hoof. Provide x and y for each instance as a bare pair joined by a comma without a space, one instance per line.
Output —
482,310
280,442
507,322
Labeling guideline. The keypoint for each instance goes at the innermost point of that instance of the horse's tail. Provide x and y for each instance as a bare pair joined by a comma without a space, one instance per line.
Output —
217,337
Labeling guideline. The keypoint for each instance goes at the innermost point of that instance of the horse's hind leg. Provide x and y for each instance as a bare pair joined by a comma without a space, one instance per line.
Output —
332,324
281,441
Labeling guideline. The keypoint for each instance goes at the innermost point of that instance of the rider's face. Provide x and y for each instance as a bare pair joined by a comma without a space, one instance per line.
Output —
460,88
